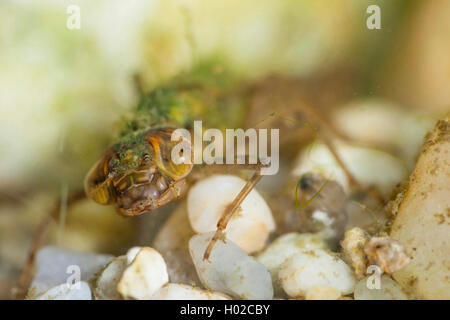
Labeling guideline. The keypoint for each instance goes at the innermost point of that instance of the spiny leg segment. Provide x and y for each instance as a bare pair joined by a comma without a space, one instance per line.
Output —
231,209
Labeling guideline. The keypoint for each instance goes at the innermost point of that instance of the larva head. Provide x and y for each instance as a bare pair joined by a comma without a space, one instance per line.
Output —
135,174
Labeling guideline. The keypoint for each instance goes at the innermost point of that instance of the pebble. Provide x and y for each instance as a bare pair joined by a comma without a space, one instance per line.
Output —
175,291
422,219
250,226
389,290
55,265
284,247
316,267
132,253
369,166
322,293
106,283
144,276
230,270
383,124
79,291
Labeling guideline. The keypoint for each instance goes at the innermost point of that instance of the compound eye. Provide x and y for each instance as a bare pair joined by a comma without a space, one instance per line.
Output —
163,146
97,185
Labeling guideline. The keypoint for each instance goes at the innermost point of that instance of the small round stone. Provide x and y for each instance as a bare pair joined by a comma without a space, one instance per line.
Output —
175,291
283,248
316,267
78,291
106,283
369,166
322,293
230,270
366,289
132,253
144,276
249,227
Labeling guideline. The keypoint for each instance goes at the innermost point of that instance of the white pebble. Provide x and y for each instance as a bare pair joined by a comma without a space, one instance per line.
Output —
230,270
106,284
369,166
131,254
309,268
175,291
77,291
322,293
54,265
284,247
382,123
250,226
388,289
144,276
422,222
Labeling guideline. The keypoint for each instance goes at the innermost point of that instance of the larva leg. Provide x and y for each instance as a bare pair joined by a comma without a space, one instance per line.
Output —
230,210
